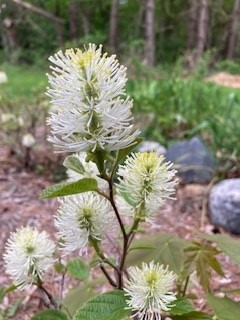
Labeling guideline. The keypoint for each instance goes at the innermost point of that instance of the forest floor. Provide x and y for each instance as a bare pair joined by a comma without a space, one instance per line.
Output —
20,205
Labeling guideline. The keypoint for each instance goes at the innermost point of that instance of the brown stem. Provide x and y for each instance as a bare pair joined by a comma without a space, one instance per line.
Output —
127,237
111,281
126,244
50,297
101,255
111,199
62,285
185,287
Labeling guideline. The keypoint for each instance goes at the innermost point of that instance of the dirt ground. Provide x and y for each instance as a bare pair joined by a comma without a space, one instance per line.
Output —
225,79
20,205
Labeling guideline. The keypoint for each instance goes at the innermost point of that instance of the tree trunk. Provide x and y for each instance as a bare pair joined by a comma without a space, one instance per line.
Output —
59,33
149,33
58,26
202,29
11,35
85,22
113,26
57,21
73,19
192,24
233,30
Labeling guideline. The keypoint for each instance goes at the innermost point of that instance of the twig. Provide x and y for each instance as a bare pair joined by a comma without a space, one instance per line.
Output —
50,297
205,200
111,281
185,286
116,210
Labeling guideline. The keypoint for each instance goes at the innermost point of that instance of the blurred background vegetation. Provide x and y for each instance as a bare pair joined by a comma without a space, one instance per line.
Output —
170,47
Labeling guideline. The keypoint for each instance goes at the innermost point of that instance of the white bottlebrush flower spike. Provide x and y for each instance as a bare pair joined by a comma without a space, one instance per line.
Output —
90,171
87,90
145,181
29,254
148,291
82,216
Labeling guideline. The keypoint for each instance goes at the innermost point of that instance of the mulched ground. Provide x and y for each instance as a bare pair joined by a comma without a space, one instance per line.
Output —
225,79
20,205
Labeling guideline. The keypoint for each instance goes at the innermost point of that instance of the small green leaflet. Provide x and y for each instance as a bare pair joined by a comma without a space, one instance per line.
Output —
78,269
59,267
141,246
107,306
50,315
182,306
65,189
73,163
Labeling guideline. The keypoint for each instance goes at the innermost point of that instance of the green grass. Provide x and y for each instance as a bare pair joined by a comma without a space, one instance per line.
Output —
22,99
181,108
23,82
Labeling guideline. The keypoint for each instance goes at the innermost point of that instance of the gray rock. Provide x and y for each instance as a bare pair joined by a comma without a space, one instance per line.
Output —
193,160
152,146
224,205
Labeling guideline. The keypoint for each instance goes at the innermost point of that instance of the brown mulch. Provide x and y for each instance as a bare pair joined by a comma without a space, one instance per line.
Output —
20,205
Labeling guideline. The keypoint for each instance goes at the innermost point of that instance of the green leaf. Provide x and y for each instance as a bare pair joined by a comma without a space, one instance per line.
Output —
73,163
182,306
110,305
4,291
78,269
59,267
141,246
166,249
193,315
12,310
11,288
124,152
76,296
224,308
201,257
226,243
65,189
1,294
50,315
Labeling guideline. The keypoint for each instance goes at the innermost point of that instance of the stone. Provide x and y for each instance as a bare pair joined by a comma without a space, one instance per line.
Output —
193,160
152,146
224,205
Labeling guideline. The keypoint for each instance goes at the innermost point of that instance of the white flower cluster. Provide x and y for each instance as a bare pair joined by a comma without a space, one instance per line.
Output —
81,218
93,114
145,181
87,90
148,292
29,254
